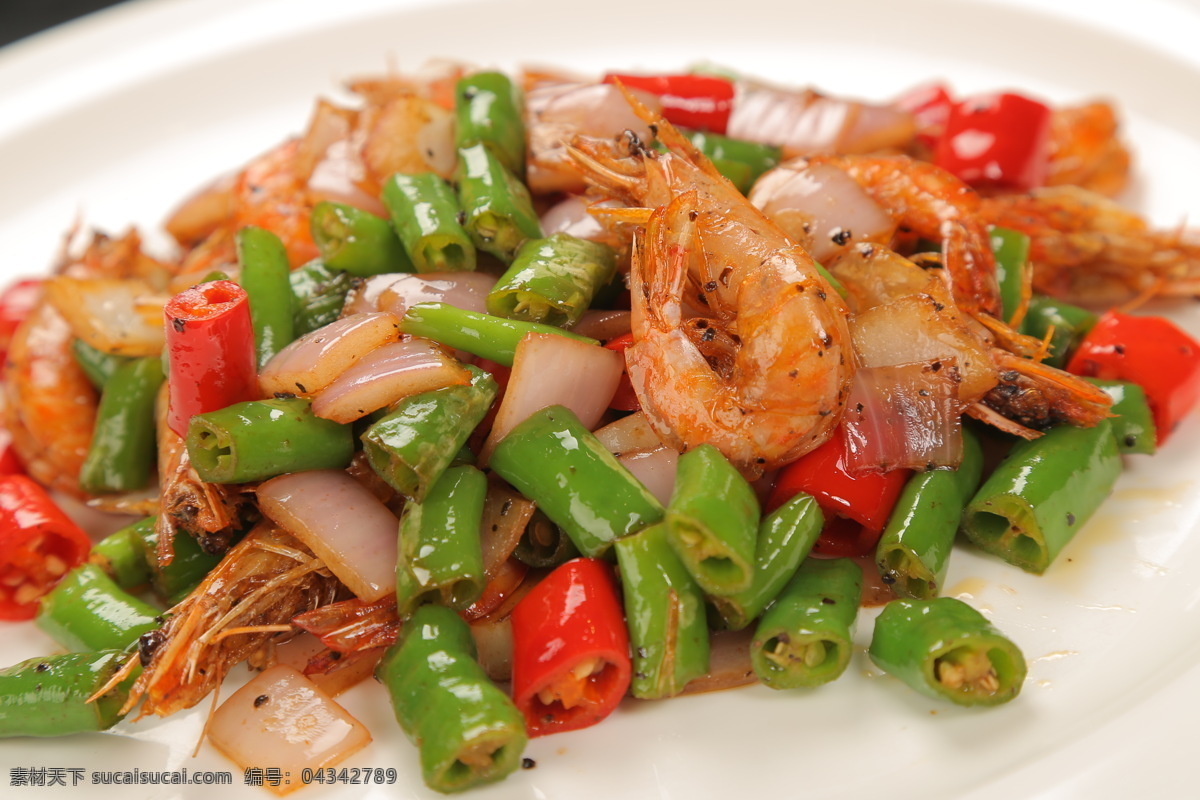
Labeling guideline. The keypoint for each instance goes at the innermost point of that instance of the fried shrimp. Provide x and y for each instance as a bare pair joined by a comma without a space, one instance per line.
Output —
738,339
265,580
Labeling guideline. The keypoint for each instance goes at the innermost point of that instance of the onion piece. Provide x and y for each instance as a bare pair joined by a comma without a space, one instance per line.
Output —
329,125
603,324
554,370
385,375
506,513
120,317
465,290
501,592
312,362
631,433
335,673
821,207
283,719
363,297
903,417
571,216
728,662
203,212
336,178
341,522
655,469
494,644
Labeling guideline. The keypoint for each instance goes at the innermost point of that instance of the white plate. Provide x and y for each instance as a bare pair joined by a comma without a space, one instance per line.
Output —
116,118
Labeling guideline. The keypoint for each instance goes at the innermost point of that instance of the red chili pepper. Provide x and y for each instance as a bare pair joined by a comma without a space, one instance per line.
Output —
38,545
624,398
570,649
930,105
867,498
210,343
1149,351
691,101
997,141
15,304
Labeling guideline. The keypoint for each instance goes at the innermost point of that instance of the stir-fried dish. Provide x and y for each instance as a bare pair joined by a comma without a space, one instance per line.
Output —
529,394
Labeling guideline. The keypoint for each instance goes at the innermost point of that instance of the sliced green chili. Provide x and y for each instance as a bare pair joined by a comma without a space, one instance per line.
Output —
423,434
469,731
664,609
319,293
497,208
49,696
1011,249
1042,493
552,280
737,159
1069,325
357,241
785,537
712,521
484,335
440,554
947,650
425,214
260,439
121,455
88,611
121,556
96,364
189,566
1133,426
804,638
914,550
487,108
265,271
543,544
556,462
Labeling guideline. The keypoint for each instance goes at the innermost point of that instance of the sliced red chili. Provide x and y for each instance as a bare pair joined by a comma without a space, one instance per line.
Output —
624,398
571,664
997,141
39,544
930,106
1149,351
16,302
690,101
10,463
210,344
865,498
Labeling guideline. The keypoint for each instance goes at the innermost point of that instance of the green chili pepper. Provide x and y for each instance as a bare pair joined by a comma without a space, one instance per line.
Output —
804,638
785,537
914,550
440,554
88,611
422,435
260,439
1070,324
488,110
49,696
543,544
425,214
712,521
121,455
552,280
664,609
1011,249
469,731
264,276
946,649
357,241
121,556
96,364
737,159
560,465
1042,493
318,296
1133,426
484,335
496,206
